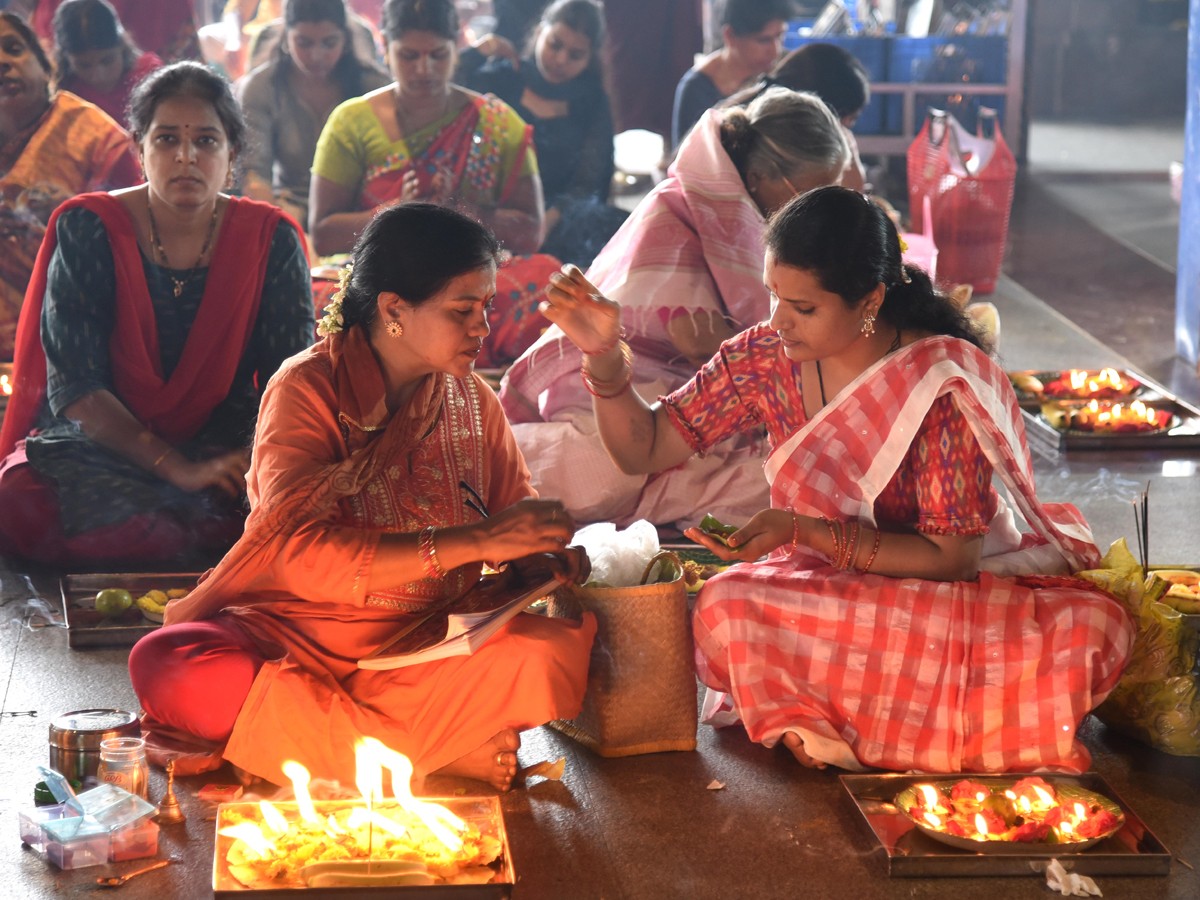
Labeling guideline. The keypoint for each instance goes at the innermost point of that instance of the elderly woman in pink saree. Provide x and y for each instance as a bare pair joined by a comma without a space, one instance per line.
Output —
425,138
901,617
686,268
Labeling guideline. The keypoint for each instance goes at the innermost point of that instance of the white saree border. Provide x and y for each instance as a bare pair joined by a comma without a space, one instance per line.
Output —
978,386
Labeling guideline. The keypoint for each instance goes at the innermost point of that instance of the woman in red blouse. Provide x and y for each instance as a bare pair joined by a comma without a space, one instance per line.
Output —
96,59
900,618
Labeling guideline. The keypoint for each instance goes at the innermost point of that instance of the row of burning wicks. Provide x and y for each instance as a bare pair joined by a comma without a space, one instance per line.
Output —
1042,811
371,757
1141,526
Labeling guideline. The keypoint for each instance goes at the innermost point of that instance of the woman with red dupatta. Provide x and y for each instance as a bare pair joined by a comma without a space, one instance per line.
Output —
378,458
887,610
154,315
424,138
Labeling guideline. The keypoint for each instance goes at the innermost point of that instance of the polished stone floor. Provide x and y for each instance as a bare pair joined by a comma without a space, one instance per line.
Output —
1076,293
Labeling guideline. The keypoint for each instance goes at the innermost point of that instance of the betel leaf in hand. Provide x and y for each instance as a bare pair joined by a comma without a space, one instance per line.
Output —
716,529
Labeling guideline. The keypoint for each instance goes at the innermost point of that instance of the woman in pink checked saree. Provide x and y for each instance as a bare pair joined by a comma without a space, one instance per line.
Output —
686,268
900,619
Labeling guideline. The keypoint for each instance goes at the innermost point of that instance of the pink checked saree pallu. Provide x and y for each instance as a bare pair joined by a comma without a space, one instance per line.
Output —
693,246
464,156
903,673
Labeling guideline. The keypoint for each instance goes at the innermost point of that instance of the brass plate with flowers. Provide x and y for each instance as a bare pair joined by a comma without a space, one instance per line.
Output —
1026,816
1033,386
1103,418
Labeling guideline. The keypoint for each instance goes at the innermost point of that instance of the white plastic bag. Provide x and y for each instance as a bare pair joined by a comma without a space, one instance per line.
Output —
618,557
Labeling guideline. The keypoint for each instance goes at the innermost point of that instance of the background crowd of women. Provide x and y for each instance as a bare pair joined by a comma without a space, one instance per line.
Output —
752,313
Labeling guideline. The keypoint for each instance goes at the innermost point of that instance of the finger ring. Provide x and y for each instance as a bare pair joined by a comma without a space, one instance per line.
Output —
499,759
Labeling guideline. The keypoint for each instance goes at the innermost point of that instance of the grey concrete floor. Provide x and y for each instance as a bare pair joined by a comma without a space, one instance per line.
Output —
648,826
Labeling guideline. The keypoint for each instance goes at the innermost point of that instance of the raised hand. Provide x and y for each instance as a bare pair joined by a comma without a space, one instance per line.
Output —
493,45
587,317
410,187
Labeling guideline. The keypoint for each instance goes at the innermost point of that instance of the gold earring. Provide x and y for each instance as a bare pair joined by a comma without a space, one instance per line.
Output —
394,329
868,324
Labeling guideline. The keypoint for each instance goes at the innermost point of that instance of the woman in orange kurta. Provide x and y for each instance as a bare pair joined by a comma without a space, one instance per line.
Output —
377,454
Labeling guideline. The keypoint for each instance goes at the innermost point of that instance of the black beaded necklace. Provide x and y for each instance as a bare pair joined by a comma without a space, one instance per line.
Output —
178,284
895,345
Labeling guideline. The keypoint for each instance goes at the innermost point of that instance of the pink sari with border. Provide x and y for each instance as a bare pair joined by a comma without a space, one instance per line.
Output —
694,245
904,673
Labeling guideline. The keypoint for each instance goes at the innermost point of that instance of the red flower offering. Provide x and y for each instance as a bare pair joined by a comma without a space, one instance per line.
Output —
1109,417
1081,384
978,814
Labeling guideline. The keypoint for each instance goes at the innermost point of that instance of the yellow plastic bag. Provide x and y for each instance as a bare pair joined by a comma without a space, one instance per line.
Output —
1157,700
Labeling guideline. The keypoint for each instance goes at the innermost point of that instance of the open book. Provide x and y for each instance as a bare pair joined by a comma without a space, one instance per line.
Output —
459,627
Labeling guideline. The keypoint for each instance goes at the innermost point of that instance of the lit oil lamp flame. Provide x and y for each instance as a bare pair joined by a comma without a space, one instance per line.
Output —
1024,805
6,387
980,796
371,758
251,835
360,817
933,820
1115,414
1080,812
439,820
1066,827
276,821
1045,797
1080,380
930,796
981,824
299,778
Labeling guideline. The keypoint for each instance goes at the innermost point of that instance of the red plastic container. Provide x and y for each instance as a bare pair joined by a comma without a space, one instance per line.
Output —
135,842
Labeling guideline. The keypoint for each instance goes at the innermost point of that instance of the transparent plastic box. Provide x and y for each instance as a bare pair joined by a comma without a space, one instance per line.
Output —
122,830
46,830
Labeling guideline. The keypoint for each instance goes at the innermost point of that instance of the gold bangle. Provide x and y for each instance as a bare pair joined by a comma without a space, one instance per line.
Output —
427,551
851,550
607,390
154,465
874,550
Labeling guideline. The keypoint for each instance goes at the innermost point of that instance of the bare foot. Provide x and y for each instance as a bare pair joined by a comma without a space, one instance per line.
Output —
494,761
794,743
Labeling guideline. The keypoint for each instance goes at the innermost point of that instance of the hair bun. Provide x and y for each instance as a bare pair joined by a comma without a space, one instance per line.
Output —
737,134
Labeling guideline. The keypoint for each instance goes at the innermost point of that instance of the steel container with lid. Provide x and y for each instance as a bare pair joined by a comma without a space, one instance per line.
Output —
75,738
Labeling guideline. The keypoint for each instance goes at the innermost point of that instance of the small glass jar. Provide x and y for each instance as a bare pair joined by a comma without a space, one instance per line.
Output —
123,763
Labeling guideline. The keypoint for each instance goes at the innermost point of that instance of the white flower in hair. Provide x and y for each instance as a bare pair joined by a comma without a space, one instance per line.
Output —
333,321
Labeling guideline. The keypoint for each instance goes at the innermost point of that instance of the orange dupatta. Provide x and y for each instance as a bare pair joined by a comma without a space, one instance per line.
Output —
284,508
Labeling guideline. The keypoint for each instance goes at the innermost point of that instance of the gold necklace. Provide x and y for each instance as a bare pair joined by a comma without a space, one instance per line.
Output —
180,283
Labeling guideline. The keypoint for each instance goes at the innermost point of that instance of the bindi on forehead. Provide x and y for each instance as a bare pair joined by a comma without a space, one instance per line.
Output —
187,128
